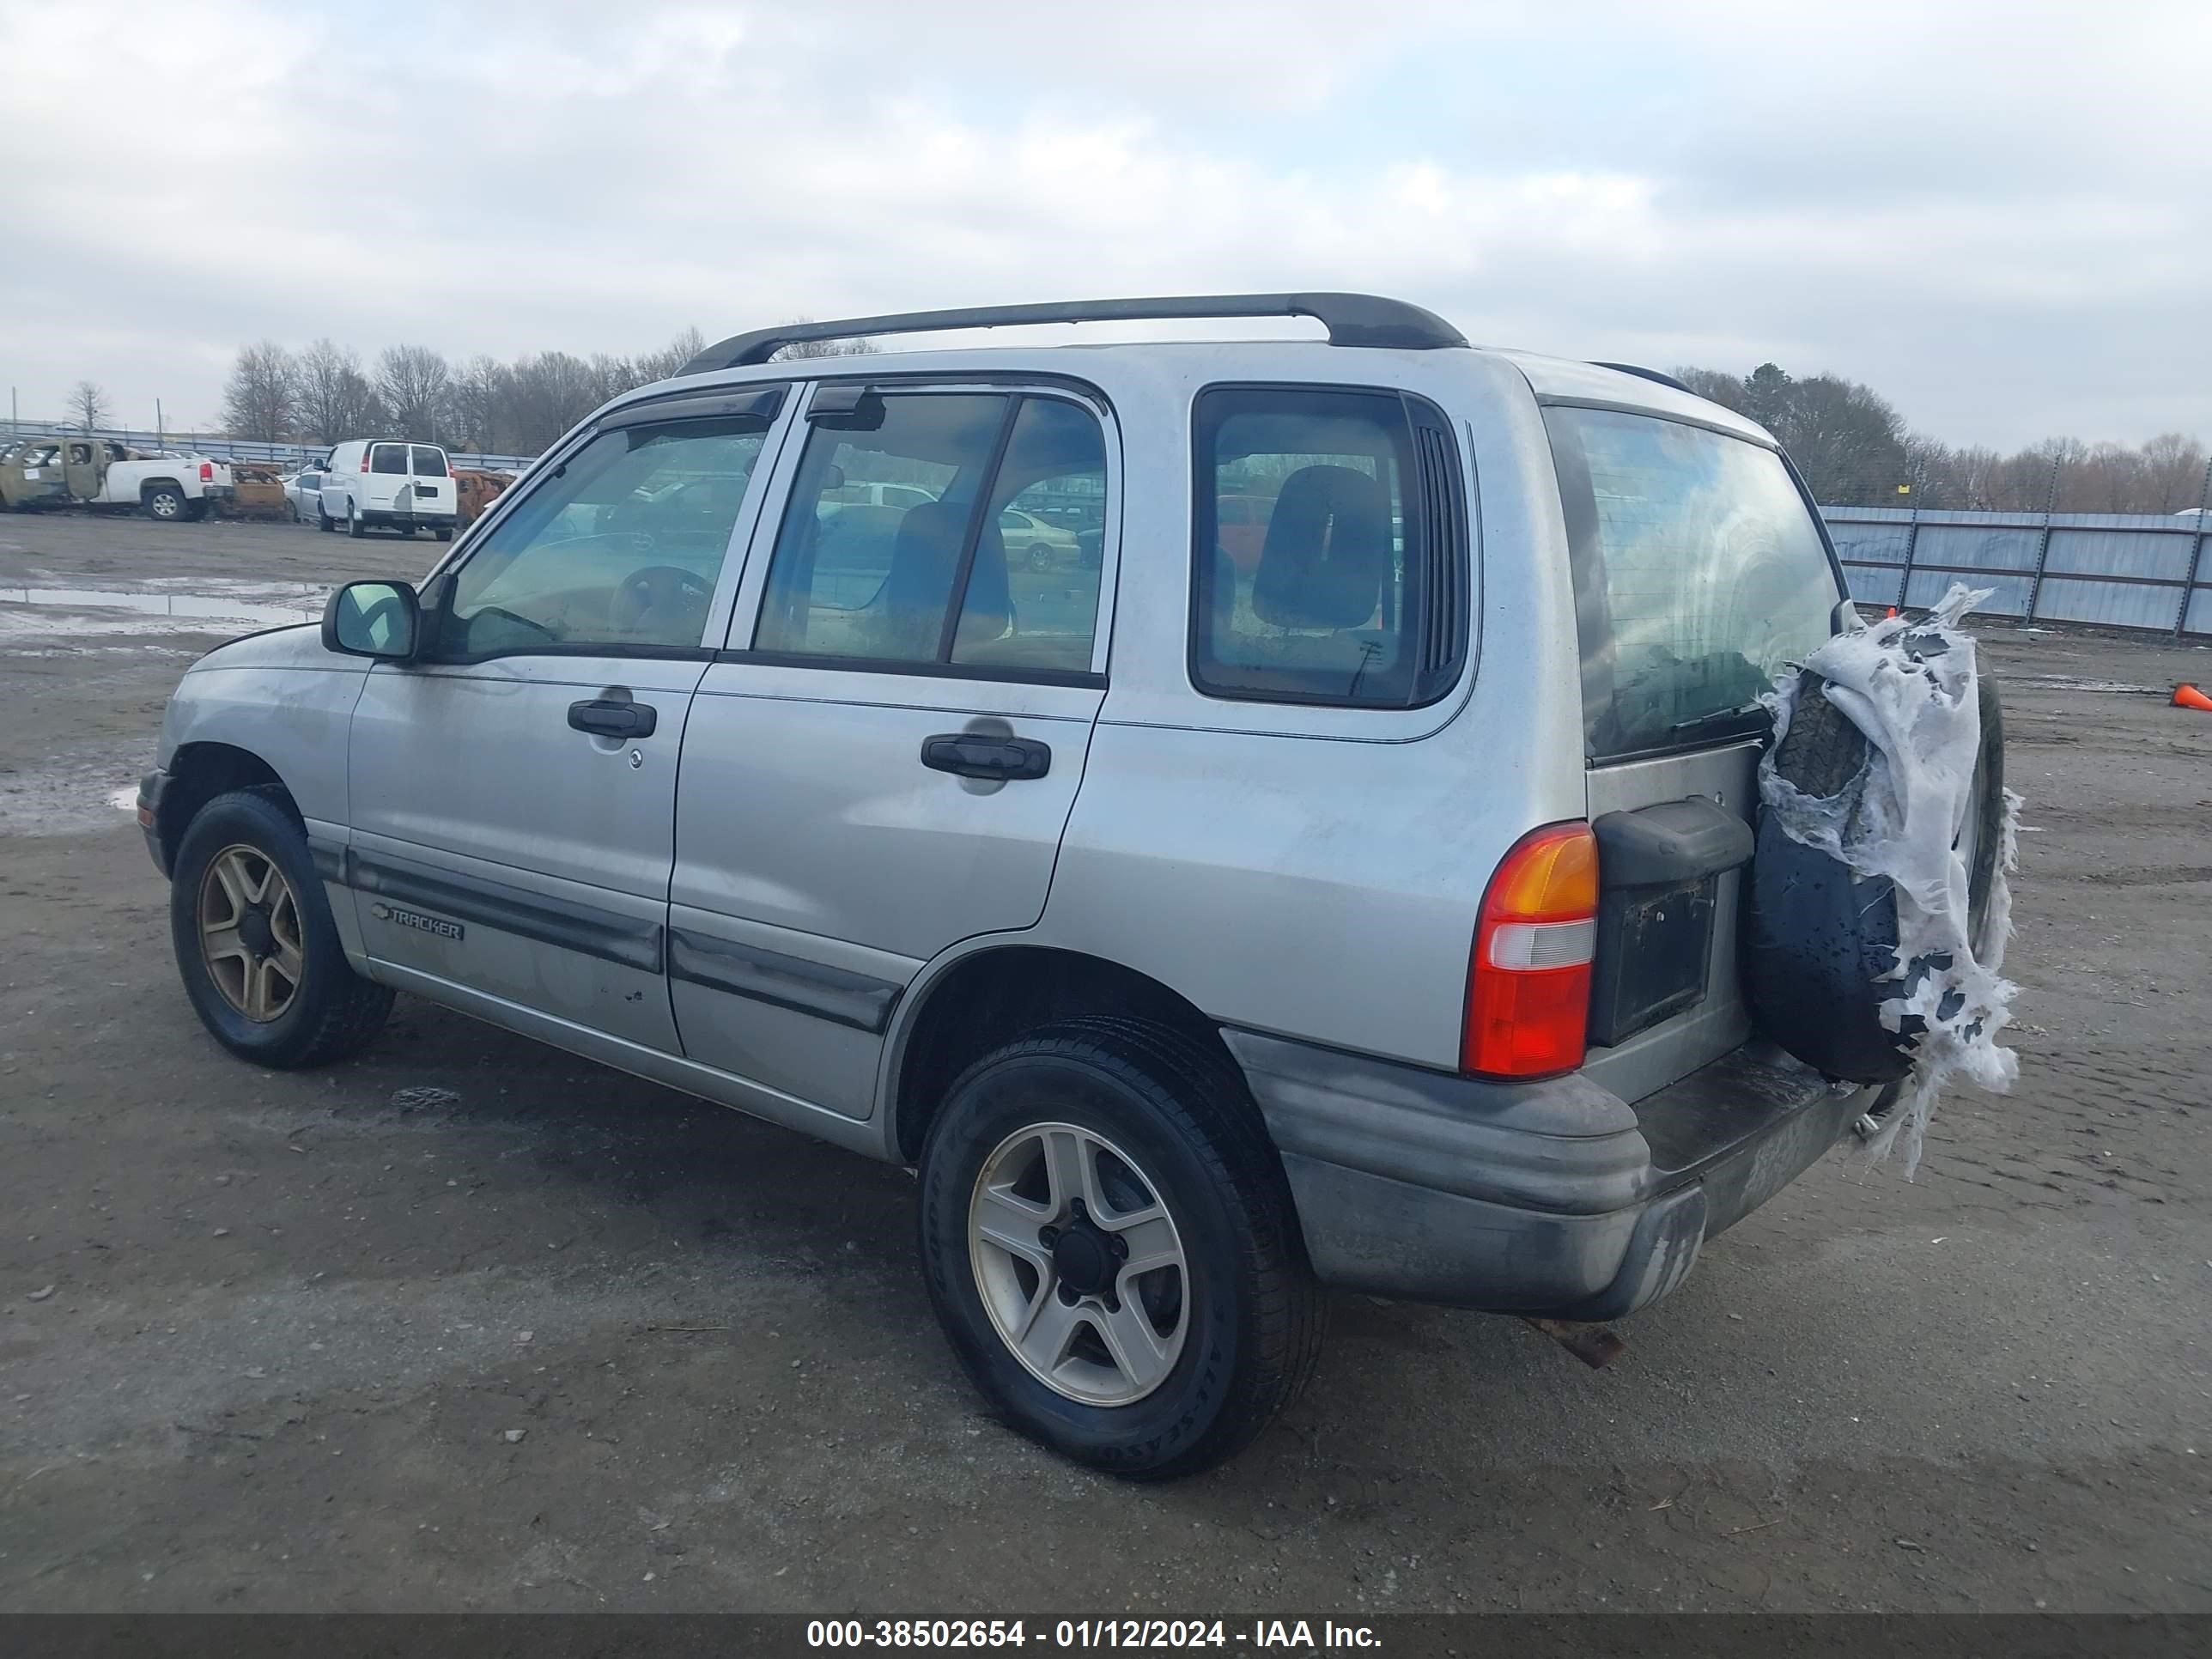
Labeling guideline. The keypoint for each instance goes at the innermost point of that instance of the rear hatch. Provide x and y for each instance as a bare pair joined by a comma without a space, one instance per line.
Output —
1700,573
430,480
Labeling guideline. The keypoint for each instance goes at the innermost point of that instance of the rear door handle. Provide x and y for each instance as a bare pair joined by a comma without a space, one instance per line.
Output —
605,717
970,755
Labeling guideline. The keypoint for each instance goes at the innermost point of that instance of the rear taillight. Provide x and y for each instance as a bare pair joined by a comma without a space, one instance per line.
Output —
207,472
1528,985
365,453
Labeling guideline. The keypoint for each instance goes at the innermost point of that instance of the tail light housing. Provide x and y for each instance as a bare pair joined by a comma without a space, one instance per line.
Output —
207,472
367,450
1529,984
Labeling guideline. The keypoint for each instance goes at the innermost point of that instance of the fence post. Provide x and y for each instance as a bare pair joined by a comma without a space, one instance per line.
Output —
1911,542
2196,552
2042,547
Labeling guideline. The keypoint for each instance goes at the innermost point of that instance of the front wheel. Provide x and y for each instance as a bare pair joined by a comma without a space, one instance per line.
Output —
324,522
1110,1246
355,526
255,941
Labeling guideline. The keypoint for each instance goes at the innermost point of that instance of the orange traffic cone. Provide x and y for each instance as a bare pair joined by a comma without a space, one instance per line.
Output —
2188,696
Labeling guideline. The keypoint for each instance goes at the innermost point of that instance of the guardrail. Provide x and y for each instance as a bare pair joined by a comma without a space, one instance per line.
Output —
237,449
2116,570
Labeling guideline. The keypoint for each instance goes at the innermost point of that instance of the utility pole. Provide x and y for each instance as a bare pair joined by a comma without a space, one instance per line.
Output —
161,440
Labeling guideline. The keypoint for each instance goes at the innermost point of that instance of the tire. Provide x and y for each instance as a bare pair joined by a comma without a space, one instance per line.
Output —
330,1012
1242,1313
164,503
1040,557
445,534
1816,936
355,527
195,511
324,522
296,519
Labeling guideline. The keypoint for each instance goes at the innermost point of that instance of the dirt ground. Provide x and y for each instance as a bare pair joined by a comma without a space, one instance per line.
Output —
265,1339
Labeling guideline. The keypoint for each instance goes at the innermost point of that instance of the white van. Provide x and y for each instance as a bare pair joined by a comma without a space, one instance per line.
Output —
401,486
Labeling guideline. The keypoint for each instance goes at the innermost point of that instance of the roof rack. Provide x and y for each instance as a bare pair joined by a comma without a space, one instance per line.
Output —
1353,320
1646,374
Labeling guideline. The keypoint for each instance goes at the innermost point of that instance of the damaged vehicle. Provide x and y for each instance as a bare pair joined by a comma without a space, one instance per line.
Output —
1350,877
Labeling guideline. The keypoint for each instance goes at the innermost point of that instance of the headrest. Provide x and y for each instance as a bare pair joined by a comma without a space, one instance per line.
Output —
924,559
1327,550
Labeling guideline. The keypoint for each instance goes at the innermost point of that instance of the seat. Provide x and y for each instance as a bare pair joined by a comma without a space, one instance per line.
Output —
1327,553
924,558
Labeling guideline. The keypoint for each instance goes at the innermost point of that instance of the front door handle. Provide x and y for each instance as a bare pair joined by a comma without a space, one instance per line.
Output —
605,717
972,755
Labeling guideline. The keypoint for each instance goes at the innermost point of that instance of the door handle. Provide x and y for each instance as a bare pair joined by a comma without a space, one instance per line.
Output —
604,717
972,755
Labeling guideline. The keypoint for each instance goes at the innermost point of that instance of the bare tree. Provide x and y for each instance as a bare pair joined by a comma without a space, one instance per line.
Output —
668,362
88,403
478,404
263,398
336,399
414,383
857,348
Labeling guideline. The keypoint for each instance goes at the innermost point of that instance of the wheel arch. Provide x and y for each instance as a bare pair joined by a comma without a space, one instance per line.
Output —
969,1005
200,771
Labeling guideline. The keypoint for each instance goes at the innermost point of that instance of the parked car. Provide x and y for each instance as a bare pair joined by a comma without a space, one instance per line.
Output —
100,472
31,475
303,490
389,486
1204,936
1030,541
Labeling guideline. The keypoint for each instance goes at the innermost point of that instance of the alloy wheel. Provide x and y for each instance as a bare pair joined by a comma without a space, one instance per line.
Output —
249,936
1079,1264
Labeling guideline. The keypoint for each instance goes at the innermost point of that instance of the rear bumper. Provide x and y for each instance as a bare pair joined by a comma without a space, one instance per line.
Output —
399,519
1554,1198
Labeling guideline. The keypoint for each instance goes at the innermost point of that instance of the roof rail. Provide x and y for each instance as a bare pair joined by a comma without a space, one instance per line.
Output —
1646,374
1353,320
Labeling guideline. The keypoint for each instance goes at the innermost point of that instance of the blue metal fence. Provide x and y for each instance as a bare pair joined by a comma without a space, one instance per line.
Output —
2116,569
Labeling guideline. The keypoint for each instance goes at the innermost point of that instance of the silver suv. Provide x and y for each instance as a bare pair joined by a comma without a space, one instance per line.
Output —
1341,889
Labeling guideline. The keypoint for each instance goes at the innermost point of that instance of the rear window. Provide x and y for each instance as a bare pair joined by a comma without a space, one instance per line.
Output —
388,458
429,462
1331,547
1700,573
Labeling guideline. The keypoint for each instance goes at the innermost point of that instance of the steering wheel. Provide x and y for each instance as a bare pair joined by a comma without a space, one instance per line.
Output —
659,598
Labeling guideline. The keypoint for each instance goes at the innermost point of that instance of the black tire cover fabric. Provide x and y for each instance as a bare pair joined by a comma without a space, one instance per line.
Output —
1815,936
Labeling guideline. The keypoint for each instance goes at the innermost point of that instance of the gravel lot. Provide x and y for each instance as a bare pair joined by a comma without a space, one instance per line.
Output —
294,1321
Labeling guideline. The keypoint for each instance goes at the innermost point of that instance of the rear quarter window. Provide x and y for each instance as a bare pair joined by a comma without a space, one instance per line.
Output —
1700,573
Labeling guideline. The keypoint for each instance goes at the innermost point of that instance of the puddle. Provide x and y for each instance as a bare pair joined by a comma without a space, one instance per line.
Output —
69,795
160,607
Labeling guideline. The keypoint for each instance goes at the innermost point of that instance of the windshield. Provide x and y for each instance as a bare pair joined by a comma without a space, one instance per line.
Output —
1700,573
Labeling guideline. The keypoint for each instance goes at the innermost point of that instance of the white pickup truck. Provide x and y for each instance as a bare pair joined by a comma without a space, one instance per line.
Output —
101,473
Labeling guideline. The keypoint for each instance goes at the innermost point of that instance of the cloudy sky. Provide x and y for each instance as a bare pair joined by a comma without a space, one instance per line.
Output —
1998,216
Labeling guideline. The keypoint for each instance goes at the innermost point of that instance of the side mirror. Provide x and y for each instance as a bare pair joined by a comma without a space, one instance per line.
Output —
381,620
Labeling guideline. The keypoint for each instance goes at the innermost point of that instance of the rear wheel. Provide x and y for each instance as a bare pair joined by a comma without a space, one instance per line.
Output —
1110,1246
444,533
354,527
165,502
255,941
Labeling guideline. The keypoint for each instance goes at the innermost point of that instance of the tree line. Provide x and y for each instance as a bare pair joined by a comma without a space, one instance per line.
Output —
1855,450
325,393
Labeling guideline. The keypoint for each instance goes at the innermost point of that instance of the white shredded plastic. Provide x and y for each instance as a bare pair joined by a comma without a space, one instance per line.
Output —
1910,687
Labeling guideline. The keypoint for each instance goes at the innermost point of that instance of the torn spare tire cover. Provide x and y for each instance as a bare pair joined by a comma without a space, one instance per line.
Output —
1876,906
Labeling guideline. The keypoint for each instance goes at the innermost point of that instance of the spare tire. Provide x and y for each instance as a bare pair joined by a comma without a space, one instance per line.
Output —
1816,936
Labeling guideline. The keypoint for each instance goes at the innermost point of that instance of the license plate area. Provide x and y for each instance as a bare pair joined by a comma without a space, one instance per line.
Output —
1655,949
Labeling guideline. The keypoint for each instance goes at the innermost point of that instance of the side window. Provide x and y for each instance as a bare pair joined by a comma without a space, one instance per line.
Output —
1331,547
80,454
388,458
936,568
620,547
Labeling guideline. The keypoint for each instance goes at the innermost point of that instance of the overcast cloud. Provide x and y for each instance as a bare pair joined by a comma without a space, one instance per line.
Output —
1999,216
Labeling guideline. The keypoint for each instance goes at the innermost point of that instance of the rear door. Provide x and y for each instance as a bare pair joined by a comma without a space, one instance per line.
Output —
1700,573
430,480
512,793
385,487
882,762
